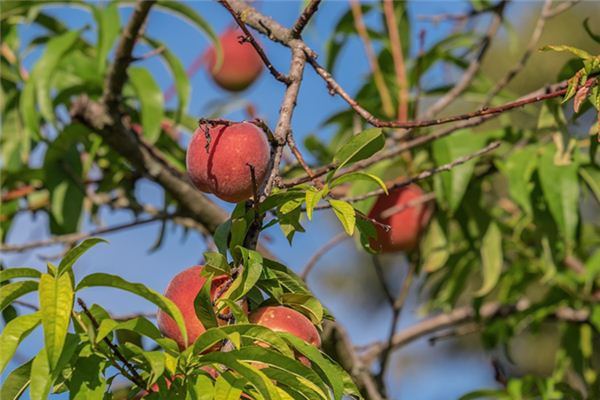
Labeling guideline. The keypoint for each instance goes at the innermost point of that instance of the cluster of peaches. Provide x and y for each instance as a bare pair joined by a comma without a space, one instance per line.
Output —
228,160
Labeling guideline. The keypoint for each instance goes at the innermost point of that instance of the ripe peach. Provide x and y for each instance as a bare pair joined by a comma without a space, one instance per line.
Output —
406,226
218,159
283,319
241,63
182,290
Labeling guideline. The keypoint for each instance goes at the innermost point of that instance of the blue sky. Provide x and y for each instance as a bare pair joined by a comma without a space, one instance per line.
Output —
422,372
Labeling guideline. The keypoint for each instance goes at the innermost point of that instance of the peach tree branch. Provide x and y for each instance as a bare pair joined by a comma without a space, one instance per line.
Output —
303,19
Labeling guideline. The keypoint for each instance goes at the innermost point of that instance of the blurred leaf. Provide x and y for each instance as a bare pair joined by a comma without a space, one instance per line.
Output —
14,290
56,304
16,382
453,184
591,176
183,11
13,333
182,81
587,28
106,280
561,191
150,98
434,247
63,178
109,26
45,67
73,255
200,387
518,167
491,259
250,334
345,213
360,146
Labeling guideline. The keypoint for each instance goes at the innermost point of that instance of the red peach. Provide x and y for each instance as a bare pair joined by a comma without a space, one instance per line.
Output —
182,290
218,160
406,225
241,63
283,319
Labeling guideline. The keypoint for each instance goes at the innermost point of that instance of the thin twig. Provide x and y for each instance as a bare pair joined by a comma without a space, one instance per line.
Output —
361,29
426,198
250,39
340,237
75,237
303,19
535,37
419,177
473,68
117,75
296,152
560,8
456,17
149,54
135,377
398,57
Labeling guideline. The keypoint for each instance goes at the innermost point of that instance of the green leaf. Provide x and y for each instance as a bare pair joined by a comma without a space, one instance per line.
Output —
14,332
228,387
14,290
31,118
109,27
305,303
561,192
451,186
101,279
42,72
216,263
11,273
250,334
319,363
345,213
140,325
359,176
16,382
578,52
43,376
151,101
203,305
491,259
73,255
313,196
434,248
200,387
87,381
518,167
253,265
359,147
591,176
587,28
56,305
182,81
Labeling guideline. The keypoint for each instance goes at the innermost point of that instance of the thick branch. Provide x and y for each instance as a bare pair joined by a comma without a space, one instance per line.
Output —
463,315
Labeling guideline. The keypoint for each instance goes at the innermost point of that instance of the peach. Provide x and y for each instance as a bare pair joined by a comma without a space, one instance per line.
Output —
241,63
182,290
283,319
406,225
219,156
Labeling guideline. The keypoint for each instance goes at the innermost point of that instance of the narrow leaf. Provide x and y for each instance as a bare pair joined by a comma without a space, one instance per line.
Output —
14,332
345,213
73,255
491,259
16,382
14,290
106,280
359,147
150,98
56,305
